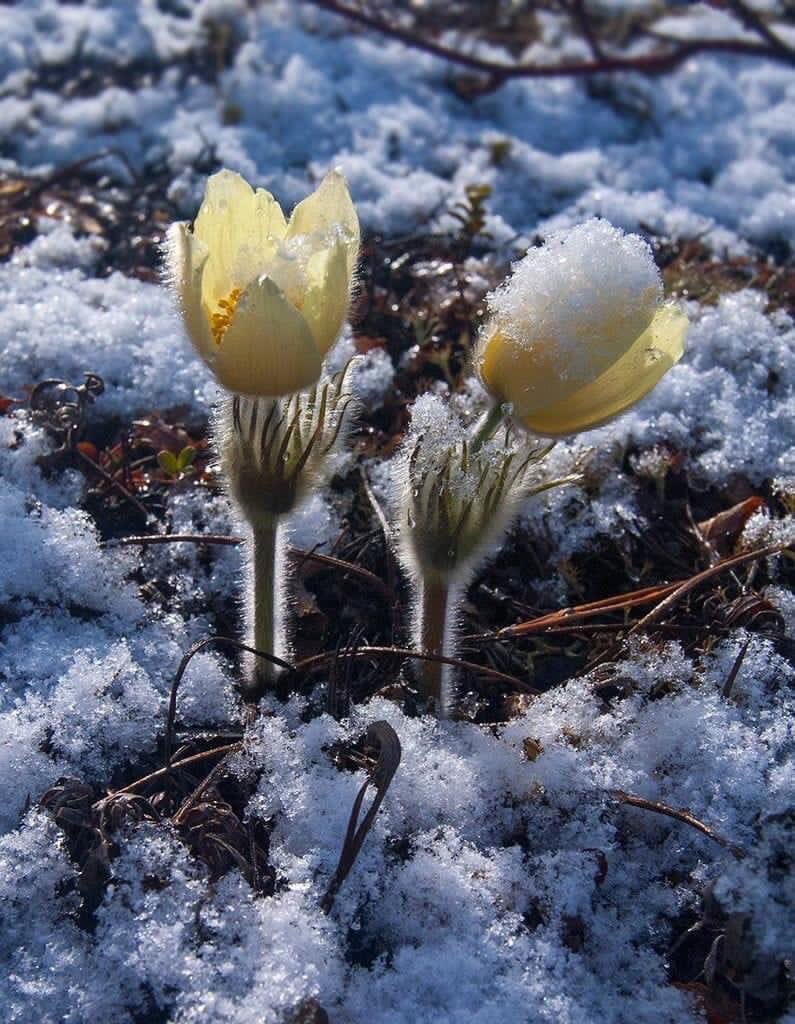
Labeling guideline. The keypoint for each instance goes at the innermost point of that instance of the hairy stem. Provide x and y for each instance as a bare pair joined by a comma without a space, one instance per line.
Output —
488,426
264,622
432,636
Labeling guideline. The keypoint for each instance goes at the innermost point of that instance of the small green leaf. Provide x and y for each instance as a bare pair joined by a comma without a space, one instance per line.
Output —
186,457
168,462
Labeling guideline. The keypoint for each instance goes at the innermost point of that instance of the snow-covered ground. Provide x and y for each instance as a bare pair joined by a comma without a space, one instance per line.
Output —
500,882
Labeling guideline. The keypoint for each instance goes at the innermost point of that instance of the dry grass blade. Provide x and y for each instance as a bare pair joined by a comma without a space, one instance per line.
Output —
391,567
299,554
667,594
148,540
204,755
576,613
212,777
686,586
728,686
111,481
382,735
347,568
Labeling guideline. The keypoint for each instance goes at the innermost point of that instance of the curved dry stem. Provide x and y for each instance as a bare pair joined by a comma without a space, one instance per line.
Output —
318,660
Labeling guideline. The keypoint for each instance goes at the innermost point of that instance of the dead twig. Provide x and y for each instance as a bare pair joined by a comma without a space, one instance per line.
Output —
497,73
148,539
186,660
348,568
61,407
379,734
330,561
111,481
671,812
391,567
159,773
686,586
317,660
728,686
567,616
754,21
666,593
190,801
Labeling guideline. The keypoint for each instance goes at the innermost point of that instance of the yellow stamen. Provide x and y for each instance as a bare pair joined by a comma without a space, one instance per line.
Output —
220,321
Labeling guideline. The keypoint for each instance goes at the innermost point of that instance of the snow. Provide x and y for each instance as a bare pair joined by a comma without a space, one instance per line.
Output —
62,321
494,886
680,153
583,290
470,918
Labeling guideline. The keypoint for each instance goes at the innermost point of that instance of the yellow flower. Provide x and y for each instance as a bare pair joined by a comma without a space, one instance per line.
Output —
263,299
579,332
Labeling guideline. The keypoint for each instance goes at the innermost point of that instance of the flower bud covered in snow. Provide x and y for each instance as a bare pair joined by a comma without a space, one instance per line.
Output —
263,299
454,501
579,331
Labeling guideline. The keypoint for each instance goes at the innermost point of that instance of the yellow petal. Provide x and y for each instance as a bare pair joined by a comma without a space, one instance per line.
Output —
329,207
326,303
628,380
269,217
526,376
241,229
268,348
186,258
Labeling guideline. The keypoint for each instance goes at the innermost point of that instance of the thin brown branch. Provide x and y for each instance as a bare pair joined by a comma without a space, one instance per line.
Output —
224,641
204,755
671,812
193,798
391,567
329,561
578,13
577,613
731,679
349,568
667,594
148,539
754,21
318,660
498,73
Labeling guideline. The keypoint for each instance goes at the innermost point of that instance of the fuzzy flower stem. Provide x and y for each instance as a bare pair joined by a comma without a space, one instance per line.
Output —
488,426
432,632
263,550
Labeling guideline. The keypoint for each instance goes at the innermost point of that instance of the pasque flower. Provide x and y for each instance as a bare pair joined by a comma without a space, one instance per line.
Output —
579,331
273,453
263,299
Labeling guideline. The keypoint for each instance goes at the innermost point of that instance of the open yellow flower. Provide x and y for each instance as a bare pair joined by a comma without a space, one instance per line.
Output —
263,299
579,332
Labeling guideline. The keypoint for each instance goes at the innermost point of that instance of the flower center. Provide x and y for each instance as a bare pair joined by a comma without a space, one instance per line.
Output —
220,320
